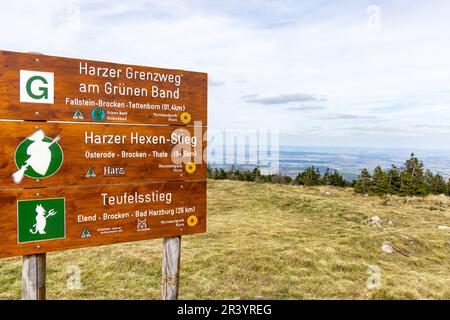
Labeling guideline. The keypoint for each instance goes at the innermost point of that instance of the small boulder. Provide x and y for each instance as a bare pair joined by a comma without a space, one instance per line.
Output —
387,248
374,221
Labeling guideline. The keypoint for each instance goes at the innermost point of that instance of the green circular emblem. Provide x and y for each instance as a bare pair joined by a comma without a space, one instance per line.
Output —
98,114
38,159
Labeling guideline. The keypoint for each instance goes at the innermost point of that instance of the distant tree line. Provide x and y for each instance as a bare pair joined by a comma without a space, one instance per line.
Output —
310,177
247,175
411,179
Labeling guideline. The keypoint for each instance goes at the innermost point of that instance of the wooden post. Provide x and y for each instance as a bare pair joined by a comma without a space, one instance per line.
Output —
33,276
170,268
33,272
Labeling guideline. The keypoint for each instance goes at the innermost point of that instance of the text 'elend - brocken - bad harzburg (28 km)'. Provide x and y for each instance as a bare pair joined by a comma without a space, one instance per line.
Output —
95,153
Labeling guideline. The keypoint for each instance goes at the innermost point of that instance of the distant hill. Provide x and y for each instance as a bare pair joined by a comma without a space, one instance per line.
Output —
349,161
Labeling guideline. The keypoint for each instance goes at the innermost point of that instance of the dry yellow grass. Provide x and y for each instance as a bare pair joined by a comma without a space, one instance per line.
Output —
269,241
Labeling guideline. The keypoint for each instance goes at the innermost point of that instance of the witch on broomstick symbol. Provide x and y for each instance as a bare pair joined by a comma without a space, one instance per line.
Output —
40,156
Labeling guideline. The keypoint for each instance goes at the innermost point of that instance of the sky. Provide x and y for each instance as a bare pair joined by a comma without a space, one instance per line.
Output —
321,73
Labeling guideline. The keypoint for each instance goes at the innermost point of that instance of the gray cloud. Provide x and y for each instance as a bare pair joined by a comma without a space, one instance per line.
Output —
306,108
249,96
408,130
434,126
373,129
282,98
215,83
345,116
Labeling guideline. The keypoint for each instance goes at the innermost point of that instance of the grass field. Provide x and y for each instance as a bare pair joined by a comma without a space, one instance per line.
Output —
273,241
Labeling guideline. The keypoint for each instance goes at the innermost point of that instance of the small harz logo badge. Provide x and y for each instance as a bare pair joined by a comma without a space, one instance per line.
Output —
90,173
78,115
85,233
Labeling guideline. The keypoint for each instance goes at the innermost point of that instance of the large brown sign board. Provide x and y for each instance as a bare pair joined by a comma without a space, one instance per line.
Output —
86,90
96,153
99,215
103,154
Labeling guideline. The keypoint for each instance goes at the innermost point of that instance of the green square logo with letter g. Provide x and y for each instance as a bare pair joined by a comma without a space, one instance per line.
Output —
37,87
41,219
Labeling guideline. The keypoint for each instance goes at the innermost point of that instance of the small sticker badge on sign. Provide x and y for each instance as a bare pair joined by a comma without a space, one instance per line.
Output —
85,233
190,167
37,87
41,219
78,115
192,221
185,117
98,114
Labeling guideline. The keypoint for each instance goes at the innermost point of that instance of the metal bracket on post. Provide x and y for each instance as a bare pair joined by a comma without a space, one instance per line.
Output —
33,276
170,268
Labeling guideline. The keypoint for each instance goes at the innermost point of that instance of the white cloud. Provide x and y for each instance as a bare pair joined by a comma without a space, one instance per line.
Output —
398,72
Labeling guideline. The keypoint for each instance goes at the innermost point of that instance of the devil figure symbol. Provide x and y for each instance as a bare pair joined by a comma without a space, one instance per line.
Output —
40,156
41,219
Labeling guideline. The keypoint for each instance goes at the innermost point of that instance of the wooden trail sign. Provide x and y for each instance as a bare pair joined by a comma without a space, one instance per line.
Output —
95,153
54,88
91,154
54,219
